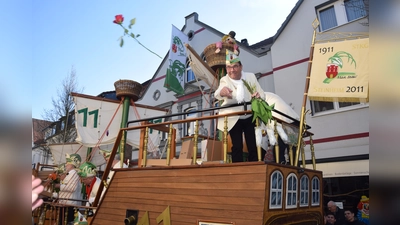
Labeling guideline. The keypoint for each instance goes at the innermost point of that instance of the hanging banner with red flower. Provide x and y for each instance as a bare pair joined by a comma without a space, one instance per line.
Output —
340,71
176,71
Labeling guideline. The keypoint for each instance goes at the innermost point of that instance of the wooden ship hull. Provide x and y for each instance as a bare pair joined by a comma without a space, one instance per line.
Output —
237,193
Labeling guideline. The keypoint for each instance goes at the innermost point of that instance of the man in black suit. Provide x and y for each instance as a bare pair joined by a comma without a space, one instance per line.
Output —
338,212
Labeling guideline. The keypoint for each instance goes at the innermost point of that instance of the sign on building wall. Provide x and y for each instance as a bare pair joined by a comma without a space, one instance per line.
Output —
344,169
340,71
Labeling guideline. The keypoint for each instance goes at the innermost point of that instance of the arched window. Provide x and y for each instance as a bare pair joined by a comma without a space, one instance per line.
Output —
190,76
189,73
291,191
216,103
304,190
276,189
315,200
189,126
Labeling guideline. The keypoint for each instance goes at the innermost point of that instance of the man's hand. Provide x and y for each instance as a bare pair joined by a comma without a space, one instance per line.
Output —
37,188
256,95
226,92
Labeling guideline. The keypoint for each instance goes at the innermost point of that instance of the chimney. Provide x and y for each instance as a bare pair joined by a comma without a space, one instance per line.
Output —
244,42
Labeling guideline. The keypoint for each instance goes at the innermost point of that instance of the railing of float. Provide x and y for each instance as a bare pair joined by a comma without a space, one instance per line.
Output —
49,212
245,105
167,127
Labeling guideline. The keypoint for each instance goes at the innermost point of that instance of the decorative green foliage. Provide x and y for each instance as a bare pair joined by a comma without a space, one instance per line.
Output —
251,89
261,110
259,107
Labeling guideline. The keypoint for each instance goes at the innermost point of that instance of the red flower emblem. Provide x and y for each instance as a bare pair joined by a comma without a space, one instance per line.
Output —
174,48
119,19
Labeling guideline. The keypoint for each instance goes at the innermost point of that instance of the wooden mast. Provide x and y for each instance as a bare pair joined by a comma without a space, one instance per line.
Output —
315,24
127,90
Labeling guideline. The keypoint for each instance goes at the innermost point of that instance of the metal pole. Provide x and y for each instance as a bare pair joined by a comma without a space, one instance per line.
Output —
125,115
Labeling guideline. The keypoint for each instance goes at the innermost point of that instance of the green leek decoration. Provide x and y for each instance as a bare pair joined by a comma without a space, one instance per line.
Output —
259,107
337,59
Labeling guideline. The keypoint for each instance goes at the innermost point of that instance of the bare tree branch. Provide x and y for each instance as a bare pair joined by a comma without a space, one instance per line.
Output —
62,111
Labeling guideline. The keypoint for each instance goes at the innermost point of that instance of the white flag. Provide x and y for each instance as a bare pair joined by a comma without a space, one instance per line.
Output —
176,71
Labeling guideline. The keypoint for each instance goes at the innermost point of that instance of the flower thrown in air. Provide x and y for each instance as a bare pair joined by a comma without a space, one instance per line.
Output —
119,19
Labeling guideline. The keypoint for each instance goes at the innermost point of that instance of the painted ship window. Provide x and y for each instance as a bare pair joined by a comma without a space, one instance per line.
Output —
276,189
291,191
315,191
304,190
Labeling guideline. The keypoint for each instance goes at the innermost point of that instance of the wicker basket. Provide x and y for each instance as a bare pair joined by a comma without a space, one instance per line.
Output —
128,88
215,60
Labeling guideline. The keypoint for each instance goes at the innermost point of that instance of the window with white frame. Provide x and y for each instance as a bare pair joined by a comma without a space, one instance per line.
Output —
321,106
50,131
304,190
47,133
189,75
276,189
189,126
291,191
71,119
216,103
355,9
327,18
315,199
336,13
54,129
62,125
